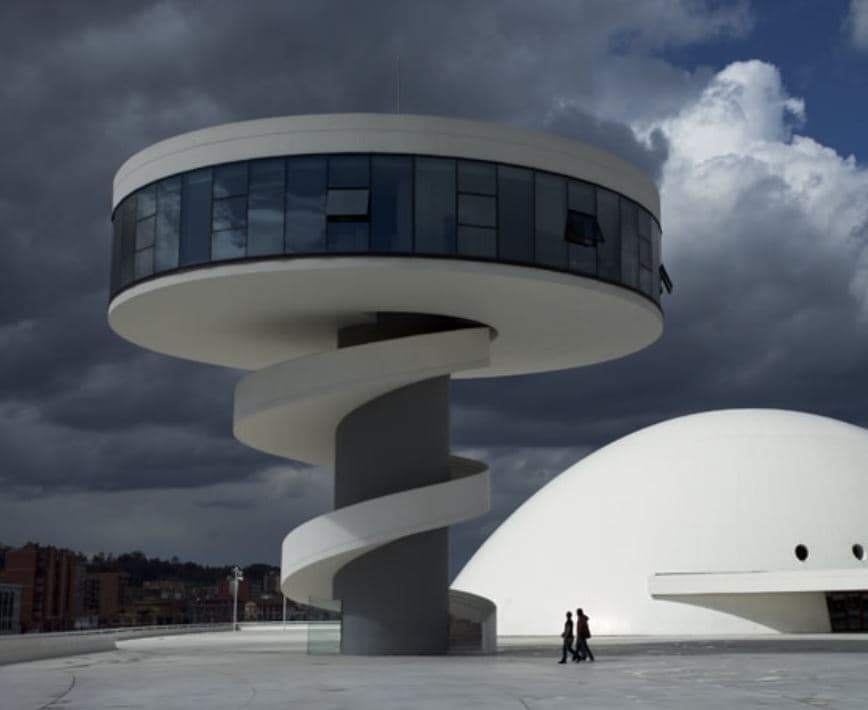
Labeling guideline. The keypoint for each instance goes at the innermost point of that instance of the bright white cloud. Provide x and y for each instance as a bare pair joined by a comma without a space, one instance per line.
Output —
858,23
740,183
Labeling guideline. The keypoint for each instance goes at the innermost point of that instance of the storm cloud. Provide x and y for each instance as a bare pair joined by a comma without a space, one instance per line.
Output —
764,234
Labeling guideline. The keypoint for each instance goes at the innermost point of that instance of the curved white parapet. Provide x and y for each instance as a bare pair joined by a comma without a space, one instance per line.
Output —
292,409
253,315
476,610
314,552
674,584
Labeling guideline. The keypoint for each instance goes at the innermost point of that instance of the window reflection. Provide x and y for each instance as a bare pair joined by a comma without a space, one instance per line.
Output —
144,263
349,171
145,232
347,236
305,205
230,213
609,221
196,218
146,203
228,244
477,210
347,205
629,244
515,214
128,239
550,218
230,180
435,206
655,260
392,204
478,178
265,207
168,224
477,241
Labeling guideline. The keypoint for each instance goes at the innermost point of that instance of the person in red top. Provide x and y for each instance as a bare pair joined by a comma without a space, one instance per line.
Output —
567,636
583,633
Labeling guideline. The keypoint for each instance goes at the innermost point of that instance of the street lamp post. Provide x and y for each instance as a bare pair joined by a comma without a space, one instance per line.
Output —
236,577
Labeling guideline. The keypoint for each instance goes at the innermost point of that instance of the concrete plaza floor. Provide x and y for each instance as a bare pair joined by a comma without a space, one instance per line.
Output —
267,669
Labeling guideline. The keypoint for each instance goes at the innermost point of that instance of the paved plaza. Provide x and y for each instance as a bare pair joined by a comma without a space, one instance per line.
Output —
269,669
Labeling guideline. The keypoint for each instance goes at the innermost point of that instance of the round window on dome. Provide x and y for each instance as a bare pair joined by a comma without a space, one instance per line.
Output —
858,552
801,553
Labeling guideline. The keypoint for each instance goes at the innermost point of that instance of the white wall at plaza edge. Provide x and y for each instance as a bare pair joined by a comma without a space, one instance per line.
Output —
731,491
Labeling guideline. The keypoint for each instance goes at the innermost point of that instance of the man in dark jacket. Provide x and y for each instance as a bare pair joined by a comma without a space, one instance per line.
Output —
567,636
583,633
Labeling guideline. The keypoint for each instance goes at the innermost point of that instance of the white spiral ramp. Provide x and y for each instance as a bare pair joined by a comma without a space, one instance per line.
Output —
293,409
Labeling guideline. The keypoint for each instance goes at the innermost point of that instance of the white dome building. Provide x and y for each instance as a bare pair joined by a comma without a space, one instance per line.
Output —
728,522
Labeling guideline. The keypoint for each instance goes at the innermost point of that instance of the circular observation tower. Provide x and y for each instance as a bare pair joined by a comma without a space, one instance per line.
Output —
353,264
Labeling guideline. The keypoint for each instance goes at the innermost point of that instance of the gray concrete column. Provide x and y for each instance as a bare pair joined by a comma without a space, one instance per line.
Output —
395,598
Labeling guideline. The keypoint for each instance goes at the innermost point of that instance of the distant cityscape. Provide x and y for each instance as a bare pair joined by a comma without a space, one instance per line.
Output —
49,589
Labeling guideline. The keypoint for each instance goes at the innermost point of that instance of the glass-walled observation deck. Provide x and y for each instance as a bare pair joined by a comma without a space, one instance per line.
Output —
384,205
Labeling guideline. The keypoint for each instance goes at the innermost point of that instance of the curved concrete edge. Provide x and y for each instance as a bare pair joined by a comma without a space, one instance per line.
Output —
772,612
786,601
784,581
384,133
292,409
314,552
251,315
478,610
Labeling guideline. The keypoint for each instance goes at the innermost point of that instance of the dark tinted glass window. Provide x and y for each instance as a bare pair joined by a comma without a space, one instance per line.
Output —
582,229
196,218
479,178
168,224
128,239
228,244
515,214
115,282
609,249
349,171
230,180
645,281
435,206
347,236
581,197
644,228
347,204
629,244
145,232
655,261
230,213
582,235
550,213
146,204
391,204
144,263
265,207
477,210
645,253
477,241
305,205
643,224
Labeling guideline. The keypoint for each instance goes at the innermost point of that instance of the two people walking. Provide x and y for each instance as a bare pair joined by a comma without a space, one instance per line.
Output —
581,651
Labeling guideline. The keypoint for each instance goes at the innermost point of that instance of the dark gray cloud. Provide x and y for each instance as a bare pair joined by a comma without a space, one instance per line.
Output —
89,418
